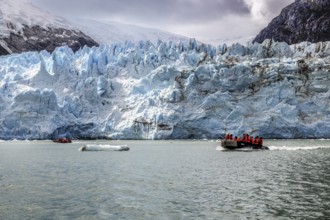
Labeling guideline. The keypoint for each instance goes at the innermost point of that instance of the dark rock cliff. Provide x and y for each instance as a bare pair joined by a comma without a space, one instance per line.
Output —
36,38
303,20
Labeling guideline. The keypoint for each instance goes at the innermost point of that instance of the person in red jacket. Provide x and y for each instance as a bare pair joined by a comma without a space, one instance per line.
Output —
257,140
244,138
252,140
248,139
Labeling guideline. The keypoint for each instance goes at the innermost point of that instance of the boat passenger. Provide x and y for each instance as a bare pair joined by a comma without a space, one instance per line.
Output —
235,138
256,140
244,138
252,140
261,141
248,138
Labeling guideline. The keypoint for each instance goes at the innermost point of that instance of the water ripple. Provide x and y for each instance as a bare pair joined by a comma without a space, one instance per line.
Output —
165,180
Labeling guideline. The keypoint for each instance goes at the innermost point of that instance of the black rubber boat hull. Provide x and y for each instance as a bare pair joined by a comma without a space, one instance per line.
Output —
234,145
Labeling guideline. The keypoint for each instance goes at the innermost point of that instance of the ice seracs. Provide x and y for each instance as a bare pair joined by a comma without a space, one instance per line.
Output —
167,90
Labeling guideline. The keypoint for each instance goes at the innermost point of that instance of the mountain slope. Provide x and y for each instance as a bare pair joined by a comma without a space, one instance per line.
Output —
303,20
108,32
24,27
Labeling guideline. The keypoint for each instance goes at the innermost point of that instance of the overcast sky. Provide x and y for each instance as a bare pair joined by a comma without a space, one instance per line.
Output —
202,19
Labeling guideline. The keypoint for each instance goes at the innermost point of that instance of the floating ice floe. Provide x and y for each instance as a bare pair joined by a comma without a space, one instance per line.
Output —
104,147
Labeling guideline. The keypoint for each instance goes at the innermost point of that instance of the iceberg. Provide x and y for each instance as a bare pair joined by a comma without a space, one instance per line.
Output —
167,91
103,147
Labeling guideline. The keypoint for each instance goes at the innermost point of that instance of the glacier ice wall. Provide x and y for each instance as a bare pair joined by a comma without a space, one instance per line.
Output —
167,91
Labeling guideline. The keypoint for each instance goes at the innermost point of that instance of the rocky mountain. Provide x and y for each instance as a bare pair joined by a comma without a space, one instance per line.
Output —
303,20
24,27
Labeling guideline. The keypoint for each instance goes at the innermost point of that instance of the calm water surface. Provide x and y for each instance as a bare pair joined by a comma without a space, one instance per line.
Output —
165,180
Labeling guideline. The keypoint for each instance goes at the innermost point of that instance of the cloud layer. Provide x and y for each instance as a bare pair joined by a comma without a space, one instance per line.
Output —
194,18
262,11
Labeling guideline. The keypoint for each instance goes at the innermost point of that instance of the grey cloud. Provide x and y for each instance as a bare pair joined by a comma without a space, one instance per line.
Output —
150,10
275,6
181,16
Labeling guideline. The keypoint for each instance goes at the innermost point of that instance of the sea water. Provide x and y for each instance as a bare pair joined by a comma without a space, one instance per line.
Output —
164,180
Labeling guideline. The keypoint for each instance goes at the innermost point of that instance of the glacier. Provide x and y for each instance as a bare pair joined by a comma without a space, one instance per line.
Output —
167,90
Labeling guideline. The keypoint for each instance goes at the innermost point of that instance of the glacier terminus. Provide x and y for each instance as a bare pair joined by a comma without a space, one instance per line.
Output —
167,90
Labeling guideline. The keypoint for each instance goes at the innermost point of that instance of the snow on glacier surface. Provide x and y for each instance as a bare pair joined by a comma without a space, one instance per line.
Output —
108,32
167,90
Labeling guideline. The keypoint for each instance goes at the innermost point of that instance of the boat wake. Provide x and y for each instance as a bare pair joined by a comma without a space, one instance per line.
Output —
103,147
280,148
296,148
